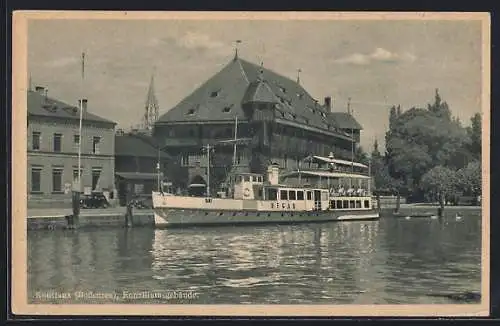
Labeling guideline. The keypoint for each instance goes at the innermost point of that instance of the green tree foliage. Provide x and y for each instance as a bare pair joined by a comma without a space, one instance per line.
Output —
427,142
474,133
469,179
439,182
382,180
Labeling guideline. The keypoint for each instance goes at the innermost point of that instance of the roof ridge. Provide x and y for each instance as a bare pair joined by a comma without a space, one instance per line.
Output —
242,70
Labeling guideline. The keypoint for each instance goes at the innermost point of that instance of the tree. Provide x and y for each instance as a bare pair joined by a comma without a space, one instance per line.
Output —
439,182
380,173
470,179
419,139
474,133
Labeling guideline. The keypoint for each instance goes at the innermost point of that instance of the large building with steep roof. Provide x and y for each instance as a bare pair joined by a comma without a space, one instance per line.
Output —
52,148
281,122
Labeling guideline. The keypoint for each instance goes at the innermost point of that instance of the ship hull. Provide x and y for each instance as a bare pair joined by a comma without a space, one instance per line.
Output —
174,217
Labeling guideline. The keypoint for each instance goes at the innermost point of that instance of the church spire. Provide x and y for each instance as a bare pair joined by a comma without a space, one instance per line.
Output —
236,49
151,108
298,75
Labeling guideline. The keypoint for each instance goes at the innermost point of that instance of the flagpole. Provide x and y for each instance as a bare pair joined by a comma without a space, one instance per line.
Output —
77,189
80,127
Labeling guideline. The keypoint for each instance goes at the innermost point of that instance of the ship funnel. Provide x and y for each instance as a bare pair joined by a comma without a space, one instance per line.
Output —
273,174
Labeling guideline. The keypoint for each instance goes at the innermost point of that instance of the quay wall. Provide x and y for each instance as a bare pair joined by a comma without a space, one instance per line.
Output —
57,220
89,221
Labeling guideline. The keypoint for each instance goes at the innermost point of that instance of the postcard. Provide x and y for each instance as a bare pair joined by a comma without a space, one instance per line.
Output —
250,163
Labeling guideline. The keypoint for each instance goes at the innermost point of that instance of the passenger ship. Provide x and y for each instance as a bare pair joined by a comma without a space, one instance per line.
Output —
312,194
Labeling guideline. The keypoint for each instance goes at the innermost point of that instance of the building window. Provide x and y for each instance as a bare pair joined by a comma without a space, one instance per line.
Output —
75,174
185,159
35,140
283,195
36,179
96,174
57,143
76,142
57,180
95,144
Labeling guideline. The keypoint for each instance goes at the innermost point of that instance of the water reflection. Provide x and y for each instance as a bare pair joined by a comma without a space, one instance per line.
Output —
386,261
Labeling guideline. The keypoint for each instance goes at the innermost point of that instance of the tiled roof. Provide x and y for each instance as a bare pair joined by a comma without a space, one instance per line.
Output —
221,98
259,92
39,105
137,145
346,120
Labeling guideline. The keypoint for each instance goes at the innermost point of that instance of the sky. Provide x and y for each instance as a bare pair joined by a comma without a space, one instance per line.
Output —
376,63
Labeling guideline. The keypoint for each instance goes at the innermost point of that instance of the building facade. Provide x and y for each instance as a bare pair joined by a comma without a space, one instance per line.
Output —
52,148
141,166
273,118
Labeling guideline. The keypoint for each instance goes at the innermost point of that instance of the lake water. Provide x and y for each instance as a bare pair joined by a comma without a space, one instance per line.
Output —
390,261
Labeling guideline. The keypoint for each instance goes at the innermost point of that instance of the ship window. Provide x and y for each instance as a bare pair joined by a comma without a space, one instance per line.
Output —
300,195
351,204
345,204
358,203
272,194
339,204
283,195
247,178
367,204
291,195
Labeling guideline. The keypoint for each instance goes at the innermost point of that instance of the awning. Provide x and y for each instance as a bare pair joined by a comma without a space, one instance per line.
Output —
334,160
139,175
325,174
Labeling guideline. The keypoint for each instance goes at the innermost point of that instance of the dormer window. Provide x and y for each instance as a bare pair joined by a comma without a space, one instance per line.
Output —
283,89
323,114
300,95
191,111
215,93
226,109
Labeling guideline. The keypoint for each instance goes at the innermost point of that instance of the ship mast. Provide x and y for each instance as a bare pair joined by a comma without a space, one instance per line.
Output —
208,149
235,139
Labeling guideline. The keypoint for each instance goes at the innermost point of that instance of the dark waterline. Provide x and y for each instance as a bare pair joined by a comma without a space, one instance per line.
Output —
389,261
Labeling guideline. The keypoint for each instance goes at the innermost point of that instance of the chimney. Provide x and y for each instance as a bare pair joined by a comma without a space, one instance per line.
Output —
83,104
328,103
40,90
